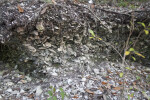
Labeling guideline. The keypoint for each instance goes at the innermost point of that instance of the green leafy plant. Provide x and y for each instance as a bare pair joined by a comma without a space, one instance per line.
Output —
123,3
130,96
138,77
131,50
121,75
128,50
146,28
53,94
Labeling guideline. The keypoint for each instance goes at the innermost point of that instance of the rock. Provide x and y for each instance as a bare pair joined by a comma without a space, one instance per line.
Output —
9,83
47,44
147,69
84,49
28,78
83,79
31,48
22,91
34,33
96,71
7,80
20,29
15,92
69,81
1,98
54,74
38,90
103,71
9,90
98,92
81,90
60,48
40,27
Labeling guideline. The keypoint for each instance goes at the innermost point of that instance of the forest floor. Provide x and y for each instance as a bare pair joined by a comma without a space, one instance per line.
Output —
80,70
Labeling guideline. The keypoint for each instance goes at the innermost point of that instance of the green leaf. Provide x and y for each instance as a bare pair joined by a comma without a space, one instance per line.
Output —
146,32
92,33
121,75
139,54
61,89
54,90
91,37
142,24
131,87
62,93
138,77
50,93
131,49
134,58
49,99
100,38
132,94
128,68
54,98
127,53
51,87
128,97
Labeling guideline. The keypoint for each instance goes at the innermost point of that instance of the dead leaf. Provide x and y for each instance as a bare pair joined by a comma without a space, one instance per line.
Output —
31,95
76,96
117,88
89,91
44,10
23,81
22,76
109,86
114,93
20,29
109,71
117,72
20,9
134,83
54,2
76,1
120,83
88,77
92,6
101,89
104,83
108,77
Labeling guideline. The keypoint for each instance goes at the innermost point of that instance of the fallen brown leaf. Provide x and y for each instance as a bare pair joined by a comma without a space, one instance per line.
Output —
22,76
54,2
120,83
76,1
23,81
114,93
31,95
108,77
109,86
109,71
89,91
76,96
104,83
117,88
20,9
101,89
44,10
134,83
